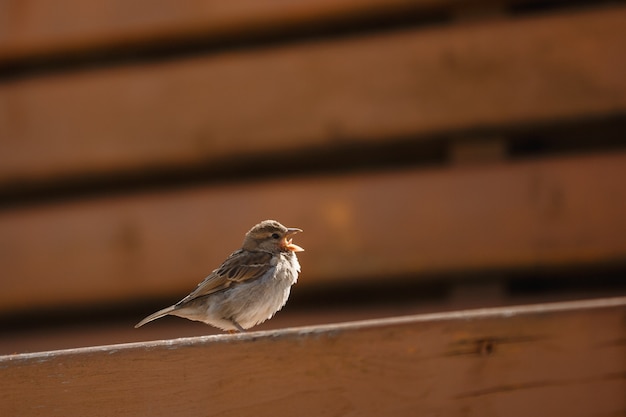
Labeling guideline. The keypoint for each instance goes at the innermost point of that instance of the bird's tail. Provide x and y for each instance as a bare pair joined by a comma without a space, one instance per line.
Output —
157,315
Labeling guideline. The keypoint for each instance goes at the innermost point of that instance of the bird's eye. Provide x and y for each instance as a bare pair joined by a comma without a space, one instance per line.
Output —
275,235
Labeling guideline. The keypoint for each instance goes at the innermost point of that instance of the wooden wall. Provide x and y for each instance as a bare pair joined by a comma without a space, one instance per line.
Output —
438,154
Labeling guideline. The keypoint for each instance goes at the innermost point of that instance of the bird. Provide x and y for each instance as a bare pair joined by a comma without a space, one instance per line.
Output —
249,287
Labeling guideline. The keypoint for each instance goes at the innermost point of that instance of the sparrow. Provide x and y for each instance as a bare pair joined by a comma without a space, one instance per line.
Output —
249,287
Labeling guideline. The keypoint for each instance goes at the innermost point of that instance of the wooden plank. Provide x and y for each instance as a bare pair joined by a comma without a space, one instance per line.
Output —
544,360
54,334
551,212
410,83
34,28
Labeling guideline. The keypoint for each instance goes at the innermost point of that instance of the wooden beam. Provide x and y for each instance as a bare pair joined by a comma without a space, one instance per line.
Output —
36,28
551,212
543,360
410,83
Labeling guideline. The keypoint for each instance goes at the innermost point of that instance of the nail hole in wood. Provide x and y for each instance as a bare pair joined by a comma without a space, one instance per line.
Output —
485,347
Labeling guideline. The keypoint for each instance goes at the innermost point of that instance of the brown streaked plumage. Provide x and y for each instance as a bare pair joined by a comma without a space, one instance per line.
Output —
249,287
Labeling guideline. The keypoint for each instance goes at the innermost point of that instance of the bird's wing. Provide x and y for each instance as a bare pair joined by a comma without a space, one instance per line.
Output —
240,266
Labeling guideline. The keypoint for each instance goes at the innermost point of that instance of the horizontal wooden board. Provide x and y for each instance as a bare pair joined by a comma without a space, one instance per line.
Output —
31,28
405,84
551,212
44,332
544,360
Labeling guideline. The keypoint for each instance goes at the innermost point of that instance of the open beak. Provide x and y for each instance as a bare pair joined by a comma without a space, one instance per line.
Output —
287,244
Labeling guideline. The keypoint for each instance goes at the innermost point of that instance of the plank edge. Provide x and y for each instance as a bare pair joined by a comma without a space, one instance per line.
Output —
328,329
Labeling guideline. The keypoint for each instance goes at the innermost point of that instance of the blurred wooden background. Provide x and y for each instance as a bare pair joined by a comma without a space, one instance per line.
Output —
438,154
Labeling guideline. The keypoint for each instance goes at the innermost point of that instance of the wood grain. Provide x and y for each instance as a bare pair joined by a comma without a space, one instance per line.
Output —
404,84
543,360
31,28
408,223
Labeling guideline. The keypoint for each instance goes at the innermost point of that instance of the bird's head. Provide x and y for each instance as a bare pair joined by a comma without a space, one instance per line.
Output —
271,236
